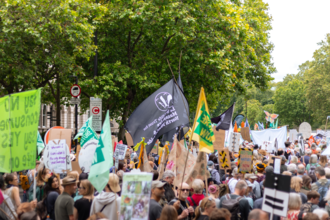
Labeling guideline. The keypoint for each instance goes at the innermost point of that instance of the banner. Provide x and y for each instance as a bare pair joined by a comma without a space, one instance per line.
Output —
219,142
176,162
224,159
135,196
163,111
269,135
202,128
85,159
19,120
40,143
234,142
199,169
245,160
223,121
82,129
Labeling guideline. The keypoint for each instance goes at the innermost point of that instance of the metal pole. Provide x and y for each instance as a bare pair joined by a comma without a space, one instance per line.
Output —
76,112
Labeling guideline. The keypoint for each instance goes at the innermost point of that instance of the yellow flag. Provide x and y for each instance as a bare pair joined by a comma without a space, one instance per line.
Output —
202,128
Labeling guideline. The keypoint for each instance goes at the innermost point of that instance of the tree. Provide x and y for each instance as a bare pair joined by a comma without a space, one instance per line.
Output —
41,40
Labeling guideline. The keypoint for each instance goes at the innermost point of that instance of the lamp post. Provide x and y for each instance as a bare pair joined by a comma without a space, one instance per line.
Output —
76,109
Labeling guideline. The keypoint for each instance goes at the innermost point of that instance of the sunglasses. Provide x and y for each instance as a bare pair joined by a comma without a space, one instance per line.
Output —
187,190
82,188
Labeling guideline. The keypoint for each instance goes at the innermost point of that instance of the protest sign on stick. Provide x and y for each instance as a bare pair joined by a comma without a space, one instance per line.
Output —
234,142
61,134
129,139
224,159
120,153
135,196
219,142
245,160
161,166
57,156
198,171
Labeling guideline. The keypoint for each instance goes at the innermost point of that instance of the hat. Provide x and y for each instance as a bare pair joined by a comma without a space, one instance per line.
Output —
261,167
83,176
210,163
249,184
113,182
213,189
283,158
157,184
68,181
252,176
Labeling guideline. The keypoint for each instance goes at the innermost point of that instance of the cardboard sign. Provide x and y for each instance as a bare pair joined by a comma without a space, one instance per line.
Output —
154,148
219,142
61,134
161,166
176,161
234,142
245,132
199,169
57,156
129,140
271,160
224,159
245,160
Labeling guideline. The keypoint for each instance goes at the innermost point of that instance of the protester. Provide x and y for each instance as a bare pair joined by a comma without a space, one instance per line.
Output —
311,216
64,202
306,185
220,214
322,185
52,191
327,172
296,183
157,192
301,170
237,197
323,161
9,209
205,208
75,175
12,190
198,186
312,203
168,213
294,207
312,164
181,203
83,205
260,171
283,167
214,194
293,169
108,202
307,156
258,214
322,214
31,215
82,176
168,178
232,181
214,173
41,180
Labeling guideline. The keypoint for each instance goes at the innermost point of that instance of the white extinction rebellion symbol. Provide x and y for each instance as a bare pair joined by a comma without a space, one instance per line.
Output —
163,100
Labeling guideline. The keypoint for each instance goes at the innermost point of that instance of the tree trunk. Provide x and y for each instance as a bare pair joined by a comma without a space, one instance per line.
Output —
58,100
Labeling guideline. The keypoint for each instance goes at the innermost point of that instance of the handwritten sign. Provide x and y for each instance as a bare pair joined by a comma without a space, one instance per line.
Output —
245,160
57,155
224,159
234,141
219,142
120,153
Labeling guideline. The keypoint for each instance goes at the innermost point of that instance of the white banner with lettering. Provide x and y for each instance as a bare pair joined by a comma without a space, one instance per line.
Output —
259,137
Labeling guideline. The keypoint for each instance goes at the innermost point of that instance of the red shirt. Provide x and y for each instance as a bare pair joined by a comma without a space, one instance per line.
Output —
196,198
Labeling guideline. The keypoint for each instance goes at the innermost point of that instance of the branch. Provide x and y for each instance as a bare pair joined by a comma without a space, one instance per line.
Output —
51,88
88,96
166,42
137,40
129,48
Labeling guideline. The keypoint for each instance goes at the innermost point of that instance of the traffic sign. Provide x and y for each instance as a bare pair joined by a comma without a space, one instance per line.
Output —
75,101
95,108
75,90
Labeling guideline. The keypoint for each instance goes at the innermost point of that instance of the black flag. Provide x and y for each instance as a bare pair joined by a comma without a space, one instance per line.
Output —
223,121
178,131
160,113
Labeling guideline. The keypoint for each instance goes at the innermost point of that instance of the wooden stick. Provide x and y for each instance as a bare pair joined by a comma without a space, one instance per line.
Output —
5,213
207,187
11,211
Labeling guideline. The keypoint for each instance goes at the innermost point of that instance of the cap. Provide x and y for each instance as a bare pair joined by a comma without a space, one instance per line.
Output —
253,177
210,163
157,184
83,176
113,182
68,180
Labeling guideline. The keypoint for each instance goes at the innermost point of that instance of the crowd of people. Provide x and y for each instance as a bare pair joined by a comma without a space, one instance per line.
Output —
227,194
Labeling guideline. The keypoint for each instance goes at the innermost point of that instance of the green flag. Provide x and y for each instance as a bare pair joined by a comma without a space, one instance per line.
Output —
19,120
88,134
99,172
40,144
276,124
82,129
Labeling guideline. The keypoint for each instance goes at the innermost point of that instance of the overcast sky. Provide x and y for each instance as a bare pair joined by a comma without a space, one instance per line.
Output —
298,25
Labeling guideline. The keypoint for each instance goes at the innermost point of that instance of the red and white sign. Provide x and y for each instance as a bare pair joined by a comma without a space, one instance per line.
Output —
95,107
95,110
75,90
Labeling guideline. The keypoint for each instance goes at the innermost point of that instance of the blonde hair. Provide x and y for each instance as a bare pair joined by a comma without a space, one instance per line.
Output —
294,159
313,159
294,201
198,186
206,203
296,183
287,173
88,187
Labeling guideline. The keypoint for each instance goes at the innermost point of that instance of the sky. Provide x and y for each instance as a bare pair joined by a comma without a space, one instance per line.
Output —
298,25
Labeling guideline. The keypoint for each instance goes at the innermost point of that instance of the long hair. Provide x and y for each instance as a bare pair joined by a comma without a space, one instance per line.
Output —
168,213
48,186
296,183
323,160
88,187
206,203
42,171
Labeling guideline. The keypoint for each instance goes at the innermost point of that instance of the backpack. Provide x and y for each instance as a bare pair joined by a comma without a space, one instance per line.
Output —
322,190
233,206
311,170
307,207
24,181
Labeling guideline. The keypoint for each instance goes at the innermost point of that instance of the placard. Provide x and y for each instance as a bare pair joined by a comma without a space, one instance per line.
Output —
120,153
135,196
219,142
245,160
293,135
199,169
65,134
245,132
234,142
271,160
224,159
129,140
277,165
306,129
51,160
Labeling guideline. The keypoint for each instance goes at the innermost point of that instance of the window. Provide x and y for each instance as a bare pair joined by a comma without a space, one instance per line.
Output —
44,116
